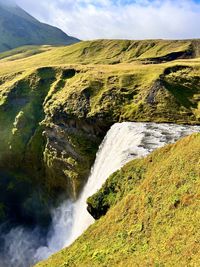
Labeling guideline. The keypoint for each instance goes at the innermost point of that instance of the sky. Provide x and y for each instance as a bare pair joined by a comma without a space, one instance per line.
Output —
123,19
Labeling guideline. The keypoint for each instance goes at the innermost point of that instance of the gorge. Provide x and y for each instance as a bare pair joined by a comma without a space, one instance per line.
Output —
57,104
123,142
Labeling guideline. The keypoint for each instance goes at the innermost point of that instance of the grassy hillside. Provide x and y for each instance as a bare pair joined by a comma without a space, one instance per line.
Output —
24,51
18,28
55,109
154,218
109,52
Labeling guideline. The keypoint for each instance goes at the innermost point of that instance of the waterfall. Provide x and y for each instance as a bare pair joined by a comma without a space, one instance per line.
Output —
123,142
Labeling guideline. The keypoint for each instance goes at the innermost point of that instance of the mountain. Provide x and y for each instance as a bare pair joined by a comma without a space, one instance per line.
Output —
18,28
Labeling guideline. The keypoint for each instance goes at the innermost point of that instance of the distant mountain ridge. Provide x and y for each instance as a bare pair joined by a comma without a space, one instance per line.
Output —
18,28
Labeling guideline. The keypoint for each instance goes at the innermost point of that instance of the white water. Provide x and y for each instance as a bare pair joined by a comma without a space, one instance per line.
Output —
123,142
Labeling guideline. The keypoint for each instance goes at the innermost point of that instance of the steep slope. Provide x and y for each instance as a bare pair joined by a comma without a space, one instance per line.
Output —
18,28
154,218
53,116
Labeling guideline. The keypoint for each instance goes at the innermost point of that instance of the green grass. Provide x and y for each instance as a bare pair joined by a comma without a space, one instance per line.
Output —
154,216
105,52
57,103
24,51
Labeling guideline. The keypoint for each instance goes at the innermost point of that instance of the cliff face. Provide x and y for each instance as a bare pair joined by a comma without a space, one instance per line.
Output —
53,116
42,154
152,214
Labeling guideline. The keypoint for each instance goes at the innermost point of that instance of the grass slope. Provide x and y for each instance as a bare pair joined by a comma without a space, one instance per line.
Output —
110,52
154,219
152,92
24,51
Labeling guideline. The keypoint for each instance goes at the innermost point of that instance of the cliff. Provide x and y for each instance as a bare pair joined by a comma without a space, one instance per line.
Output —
57,103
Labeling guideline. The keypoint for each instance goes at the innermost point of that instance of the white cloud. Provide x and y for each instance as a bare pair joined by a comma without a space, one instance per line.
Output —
139,19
